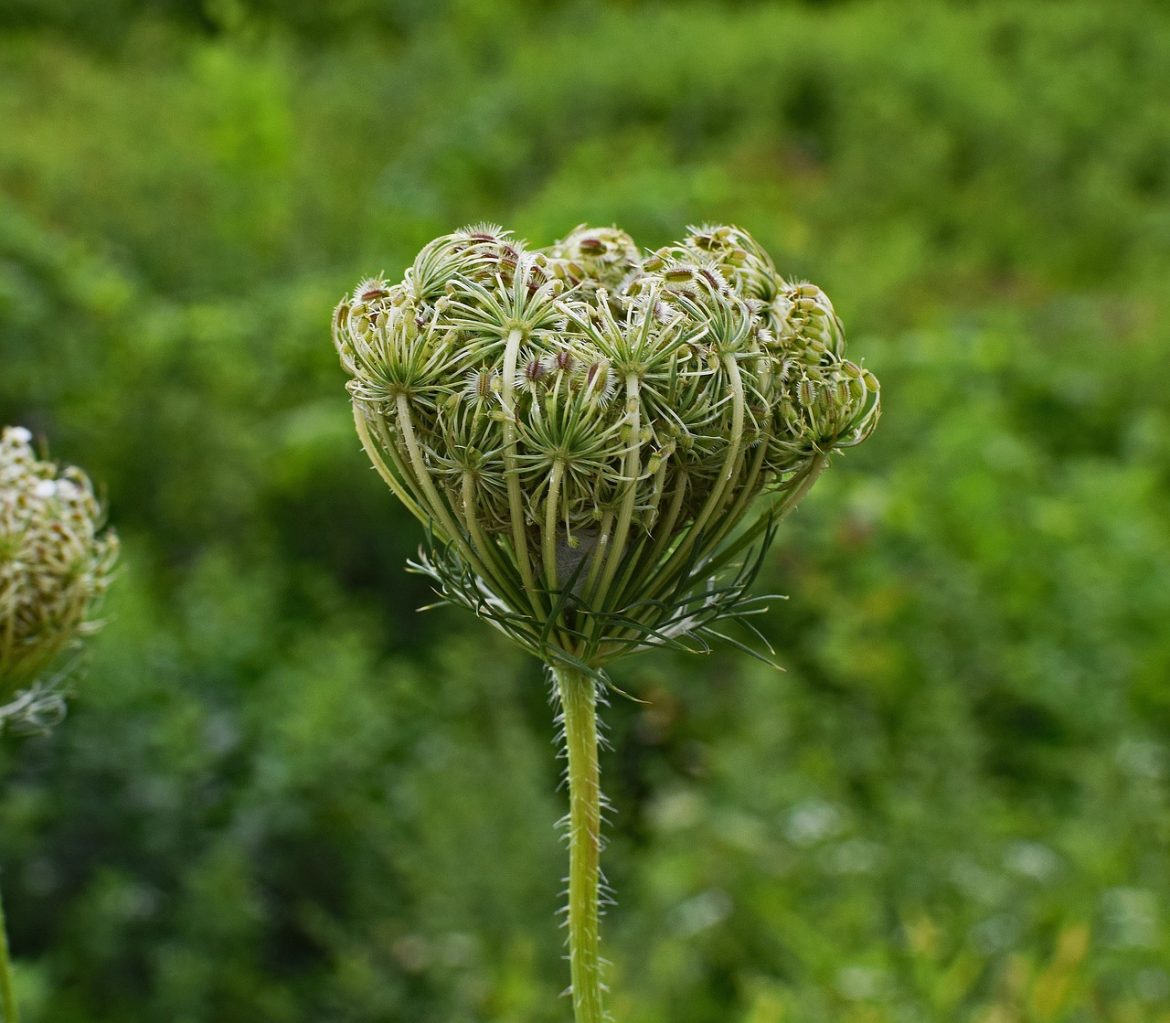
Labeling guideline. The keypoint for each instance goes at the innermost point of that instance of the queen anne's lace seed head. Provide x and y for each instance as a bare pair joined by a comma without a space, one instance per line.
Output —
584,430
55,565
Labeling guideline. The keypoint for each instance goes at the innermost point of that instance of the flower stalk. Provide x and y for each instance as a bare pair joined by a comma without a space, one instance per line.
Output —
7,993
578,698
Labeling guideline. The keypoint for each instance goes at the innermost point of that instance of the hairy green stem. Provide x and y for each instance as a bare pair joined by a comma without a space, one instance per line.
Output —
578,694
7,996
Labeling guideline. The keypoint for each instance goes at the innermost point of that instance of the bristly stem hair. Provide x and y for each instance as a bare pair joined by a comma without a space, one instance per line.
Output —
577,693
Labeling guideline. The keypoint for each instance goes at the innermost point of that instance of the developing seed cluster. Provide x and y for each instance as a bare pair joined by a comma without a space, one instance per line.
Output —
591,419
55,563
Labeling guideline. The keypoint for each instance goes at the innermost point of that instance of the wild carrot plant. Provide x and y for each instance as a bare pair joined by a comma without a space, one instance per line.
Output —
55,565
600,443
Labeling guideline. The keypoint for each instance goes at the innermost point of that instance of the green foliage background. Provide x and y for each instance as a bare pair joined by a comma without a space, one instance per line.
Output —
282,795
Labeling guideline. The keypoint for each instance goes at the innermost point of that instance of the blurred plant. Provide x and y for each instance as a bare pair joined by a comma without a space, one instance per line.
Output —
585,432
55,565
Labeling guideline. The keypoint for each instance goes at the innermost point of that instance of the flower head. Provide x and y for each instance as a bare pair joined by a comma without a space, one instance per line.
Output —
591,435
55,565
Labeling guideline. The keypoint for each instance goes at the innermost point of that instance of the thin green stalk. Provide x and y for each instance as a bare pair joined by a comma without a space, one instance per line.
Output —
578,693
667,570
631,472
7,996
515,497
551,507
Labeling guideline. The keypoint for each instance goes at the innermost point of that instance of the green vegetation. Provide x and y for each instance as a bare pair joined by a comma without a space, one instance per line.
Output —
283,795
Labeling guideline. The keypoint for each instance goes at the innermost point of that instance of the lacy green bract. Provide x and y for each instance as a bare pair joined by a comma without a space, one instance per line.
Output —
55,565
587,431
